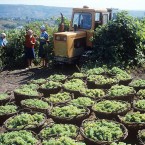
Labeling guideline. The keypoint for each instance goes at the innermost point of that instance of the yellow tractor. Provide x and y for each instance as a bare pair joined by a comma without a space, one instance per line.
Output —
70,45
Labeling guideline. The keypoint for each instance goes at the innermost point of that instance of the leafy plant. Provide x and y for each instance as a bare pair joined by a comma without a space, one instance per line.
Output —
67,111
74,84
134,117
82,101
38,81
29,86
107,81
102,130
95,78
110,106
120,90
140,104
138,83
35,103
116,70
3,96
123,76
101,80
141,94
95,71
51,85
57,77
59,97
21,137
119,73
59,130
8,109
78,75
27,91
25,120
62,141
93,93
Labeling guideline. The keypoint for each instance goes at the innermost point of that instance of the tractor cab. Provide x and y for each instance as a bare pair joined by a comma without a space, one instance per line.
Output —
69,46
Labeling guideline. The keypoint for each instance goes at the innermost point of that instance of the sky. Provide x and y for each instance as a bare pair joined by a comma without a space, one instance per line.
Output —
121,4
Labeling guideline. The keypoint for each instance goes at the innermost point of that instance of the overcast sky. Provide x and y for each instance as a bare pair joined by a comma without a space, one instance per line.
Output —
121,4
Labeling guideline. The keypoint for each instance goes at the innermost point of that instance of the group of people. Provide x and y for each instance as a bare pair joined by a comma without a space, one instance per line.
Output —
30,41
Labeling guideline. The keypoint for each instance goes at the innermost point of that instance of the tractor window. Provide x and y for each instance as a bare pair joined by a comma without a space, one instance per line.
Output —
97,17
82,20
114,16
105,18
76,19
97,20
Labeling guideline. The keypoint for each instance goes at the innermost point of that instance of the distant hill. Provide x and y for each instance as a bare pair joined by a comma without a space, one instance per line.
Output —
43,12
32,11
139,14
134,13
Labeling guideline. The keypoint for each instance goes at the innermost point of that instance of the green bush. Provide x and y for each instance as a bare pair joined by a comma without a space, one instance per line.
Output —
120,41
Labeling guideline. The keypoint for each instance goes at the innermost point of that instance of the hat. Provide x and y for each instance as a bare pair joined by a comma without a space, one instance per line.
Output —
42,27
3,34
30,31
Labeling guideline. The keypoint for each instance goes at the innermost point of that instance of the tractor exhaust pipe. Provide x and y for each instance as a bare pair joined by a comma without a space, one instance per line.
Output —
61,25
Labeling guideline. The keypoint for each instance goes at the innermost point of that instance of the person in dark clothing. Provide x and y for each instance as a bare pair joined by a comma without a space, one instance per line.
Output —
44,40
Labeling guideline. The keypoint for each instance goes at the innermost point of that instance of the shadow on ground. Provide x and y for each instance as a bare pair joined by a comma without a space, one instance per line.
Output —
9,80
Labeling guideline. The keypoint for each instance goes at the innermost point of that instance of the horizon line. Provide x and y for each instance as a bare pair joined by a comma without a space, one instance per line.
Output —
69,7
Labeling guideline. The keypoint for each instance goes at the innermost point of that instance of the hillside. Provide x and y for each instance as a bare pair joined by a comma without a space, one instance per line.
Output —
32,11
43,12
